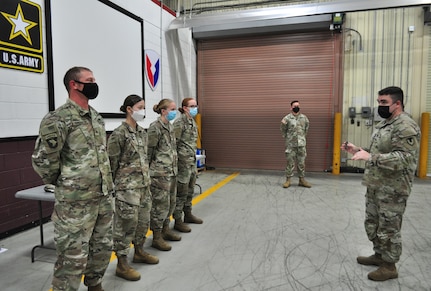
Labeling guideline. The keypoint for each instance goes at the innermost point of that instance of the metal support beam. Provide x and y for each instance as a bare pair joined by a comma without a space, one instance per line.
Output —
239,16
303,23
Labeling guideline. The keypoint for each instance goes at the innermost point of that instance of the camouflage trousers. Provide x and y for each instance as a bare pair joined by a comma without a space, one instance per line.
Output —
295,155
185,189
131,222
83,239
384,209
163,191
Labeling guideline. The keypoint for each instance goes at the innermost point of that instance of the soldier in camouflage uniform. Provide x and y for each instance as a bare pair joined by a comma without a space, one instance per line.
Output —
70,153
127,148
162,156
186,132
294,129
391,162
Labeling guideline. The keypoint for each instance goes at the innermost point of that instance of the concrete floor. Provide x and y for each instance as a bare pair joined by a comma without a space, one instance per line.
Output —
258,236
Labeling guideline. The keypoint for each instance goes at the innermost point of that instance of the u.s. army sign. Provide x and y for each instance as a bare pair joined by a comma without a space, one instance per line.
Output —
21,45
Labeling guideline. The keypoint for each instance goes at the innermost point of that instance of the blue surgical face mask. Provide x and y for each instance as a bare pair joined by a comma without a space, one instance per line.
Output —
193,111
171,115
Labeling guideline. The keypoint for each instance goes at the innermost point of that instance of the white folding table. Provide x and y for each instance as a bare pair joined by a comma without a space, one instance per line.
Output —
39,194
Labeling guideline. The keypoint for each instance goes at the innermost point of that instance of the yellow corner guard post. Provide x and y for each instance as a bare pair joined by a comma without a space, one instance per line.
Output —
423,153
337,144
198,119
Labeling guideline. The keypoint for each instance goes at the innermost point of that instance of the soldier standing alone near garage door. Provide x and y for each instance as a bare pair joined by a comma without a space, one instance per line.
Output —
294,129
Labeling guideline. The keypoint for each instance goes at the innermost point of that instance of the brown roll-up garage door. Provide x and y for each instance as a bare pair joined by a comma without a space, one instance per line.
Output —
245,86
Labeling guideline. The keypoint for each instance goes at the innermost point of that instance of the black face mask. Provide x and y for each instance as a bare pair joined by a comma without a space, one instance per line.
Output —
384,112
90,90
295,109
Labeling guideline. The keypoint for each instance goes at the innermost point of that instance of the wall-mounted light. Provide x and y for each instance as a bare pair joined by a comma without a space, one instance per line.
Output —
337,21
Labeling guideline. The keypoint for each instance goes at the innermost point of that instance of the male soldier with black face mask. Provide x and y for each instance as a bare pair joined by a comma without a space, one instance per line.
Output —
294,129
71,154
391,162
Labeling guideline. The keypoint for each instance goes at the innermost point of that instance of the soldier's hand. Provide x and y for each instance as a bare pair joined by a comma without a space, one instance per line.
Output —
361,155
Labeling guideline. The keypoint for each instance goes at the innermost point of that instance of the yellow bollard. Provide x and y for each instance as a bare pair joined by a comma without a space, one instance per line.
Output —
337,143
423,152
198,119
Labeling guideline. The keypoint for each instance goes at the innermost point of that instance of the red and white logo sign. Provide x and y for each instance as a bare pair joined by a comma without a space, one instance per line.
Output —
152,68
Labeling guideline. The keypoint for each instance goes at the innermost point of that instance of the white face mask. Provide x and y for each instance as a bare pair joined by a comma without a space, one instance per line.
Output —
138,115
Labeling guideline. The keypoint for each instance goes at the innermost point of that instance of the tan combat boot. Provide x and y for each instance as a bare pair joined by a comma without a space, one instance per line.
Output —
190,218
287,183
373,260
385,272
159,243
181,226
168,234
125,271
304,183
142,256
98,287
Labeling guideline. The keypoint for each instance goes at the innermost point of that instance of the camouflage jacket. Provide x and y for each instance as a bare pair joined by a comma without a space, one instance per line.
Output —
70,153
394,153
127,148
162,149
294,130
186,132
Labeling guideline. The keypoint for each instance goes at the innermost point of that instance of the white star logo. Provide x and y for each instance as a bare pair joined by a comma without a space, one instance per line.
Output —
20,26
